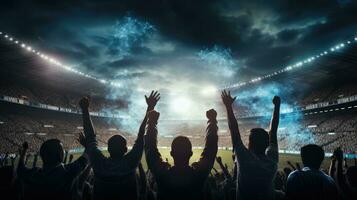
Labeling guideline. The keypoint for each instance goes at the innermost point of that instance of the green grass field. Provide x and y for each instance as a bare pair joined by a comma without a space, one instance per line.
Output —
226,158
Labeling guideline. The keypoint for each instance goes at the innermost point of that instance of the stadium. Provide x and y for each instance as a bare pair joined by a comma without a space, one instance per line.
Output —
42,85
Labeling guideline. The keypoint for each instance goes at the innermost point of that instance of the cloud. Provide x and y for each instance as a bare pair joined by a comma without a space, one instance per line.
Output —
110,37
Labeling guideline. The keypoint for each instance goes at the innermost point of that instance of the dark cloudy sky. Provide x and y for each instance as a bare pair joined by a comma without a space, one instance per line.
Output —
183,41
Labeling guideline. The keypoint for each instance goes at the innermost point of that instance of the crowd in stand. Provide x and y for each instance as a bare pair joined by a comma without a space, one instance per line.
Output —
331,132
58,98
329,93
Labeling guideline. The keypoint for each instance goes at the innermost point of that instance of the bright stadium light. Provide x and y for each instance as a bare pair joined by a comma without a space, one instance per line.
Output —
209,90
296,65
181,105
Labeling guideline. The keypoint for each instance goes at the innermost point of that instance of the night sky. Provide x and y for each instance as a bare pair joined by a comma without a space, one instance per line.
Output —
185,42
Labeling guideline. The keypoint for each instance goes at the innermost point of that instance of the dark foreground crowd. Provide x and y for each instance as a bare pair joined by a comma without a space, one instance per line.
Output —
121,175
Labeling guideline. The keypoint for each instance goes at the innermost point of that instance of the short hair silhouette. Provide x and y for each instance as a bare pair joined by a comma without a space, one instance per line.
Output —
181,149
312,156
117,146
258,140
51,152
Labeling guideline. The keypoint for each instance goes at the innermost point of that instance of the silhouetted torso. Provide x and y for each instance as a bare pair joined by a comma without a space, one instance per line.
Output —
310,184
54,183
115,178
256,174
184,183
181,183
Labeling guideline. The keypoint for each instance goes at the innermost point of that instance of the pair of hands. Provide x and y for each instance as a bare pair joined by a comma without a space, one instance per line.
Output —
151,101
228,99
153,115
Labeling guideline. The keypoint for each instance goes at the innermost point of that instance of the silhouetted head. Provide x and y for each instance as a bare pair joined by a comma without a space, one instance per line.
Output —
258,140
51,152
312,156
117,146
181,150
351,176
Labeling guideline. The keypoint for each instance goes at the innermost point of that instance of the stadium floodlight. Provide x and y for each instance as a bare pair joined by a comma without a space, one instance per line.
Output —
298,64
29,48
6,36
209,90
10,39
181,105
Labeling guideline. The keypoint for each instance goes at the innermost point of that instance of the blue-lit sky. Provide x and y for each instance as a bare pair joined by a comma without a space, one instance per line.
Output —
195,42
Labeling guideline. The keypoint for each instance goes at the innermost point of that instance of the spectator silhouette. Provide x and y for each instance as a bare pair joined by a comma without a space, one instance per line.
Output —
310,182
181,181
346,183
7,182
114,177
55,179
258,163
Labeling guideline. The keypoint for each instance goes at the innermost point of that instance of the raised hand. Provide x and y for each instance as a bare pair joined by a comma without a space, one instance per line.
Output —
153,116
84,103
152,100
338,154
276,100
211,114
227,98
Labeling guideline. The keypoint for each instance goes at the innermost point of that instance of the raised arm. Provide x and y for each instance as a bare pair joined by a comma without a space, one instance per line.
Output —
224,168
232,121
22,170
89,137
273,151
22,153
339,178
273,138
152,154
87,121
209,153
135,154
